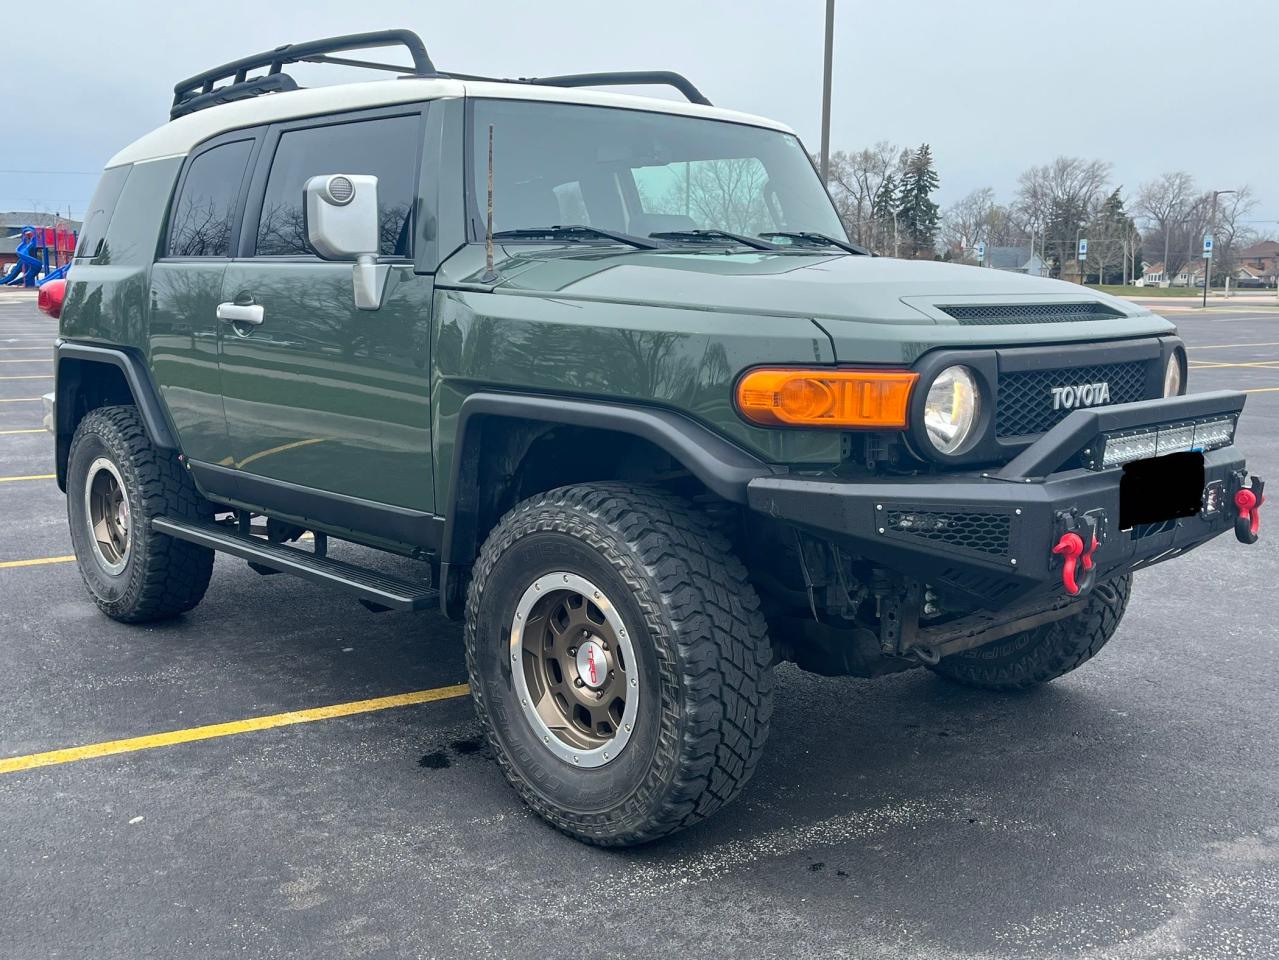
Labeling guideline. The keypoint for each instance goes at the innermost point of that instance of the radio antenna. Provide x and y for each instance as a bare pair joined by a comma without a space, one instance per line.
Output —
490,274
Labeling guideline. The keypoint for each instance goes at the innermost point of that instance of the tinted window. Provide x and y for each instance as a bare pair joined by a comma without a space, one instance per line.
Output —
205,211
100,209
385,148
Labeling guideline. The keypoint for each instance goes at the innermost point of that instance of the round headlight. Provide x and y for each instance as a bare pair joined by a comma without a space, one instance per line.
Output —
1172,375
951,409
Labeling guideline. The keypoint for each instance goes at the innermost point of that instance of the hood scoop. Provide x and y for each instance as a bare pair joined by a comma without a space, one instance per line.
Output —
997,314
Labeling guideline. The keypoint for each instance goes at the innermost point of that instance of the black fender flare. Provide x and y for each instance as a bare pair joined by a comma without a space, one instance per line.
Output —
722,466
136,376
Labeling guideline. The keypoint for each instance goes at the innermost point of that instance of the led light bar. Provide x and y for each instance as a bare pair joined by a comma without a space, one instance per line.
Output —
1160,440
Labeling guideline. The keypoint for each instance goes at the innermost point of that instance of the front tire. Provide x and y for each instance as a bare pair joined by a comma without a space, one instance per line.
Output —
1044,653
618,661
117,482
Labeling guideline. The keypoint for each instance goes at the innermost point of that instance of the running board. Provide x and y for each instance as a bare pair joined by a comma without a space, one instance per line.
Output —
373,589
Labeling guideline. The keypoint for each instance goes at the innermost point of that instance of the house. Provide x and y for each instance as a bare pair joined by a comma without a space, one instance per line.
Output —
1261,260
1016,260
1190,275
1152,275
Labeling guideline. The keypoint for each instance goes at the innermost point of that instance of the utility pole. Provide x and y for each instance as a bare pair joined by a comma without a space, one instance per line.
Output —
1212,232
826,82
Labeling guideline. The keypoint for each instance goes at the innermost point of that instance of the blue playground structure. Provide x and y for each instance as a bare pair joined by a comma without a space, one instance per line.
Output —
44,254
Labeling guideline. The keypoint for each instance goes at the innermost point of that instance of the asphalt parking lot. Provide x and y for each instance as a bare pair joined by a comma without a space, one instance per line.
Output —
1130,810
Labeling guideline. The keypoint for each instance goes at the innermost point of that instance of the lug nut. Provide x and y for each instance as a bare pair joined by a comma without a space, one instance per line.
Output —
572,651
579,682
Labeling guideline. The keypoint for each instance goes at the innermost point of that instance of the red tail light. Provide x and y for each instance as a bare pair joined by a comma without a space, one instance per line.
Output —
51,296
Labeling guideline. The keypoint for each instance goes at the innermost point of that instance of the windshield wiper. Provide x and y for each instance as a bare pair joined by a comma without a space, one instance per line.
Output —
573,232
818,240
712,236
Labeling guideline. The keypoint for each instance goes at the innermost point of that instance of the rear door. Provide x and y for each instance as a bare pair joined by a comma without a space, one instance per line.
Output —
328,407
186,287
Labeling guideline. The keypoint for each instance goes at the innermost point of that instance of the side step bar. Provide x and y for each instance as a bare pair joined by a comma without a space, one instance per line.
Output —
375,590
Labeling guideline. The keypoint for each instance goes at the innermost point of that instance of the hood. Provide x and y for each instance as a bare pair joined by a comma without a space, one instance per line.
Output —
801,284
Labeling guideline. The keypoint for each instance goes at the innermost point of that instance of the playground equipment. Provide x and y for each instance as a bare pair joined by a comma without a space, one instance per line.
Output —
44,254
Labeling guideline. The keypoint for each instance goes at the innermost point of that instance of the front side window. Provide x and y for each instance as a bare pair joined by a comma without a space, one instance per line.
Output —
205,211
636,172
386,148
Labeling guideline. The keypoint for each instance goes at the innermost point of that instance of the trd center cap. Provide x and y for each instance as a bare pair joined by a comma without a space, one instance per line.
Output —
591,665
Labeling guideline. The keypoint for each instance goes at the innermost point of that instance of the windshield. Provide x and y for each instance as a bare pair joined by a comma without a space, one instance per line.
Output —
641,173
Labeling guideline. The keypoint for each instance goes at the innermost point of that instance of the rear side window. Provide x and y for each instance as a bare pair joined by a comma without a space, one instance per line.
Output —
205,211
387,148
101,207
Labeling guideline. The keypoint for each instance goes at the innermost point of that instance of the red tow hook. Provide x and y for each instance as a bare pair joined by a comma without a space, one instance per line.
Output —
1071,547
1248,501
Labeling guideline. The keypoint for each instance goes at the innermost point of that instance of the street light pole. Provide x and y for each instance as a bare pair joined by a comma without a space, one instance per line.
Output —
826,83
1212,232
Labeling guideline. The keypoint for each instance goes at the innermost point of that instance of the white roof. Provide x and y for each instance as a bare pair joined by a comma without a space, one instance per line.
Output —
177,137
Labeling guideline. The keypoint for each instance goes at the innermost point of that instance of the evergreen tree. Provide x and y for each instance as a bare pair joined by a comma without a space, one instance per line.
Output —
917,212
883,212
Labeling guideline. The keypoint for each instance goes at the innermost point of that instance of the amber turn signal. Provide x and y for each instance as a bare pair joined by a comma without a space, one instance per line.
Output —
825,398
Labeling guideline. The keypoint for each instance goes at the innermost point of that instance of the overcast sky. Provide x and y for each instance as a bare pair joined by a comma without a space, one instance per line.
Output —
993,85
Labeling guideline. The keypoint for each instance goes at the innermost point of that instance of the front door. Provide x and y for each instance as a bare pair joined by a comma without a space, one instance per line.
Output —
327,406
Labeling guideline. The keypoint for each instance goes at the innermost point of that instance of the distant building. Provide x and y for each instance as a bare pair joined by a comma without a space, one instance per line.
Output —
1016,260
1260,261
11,224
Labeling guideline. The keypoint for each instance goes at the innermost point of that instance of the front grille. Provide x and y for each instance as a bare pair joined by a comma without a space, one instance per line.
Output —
988,314
1025,404
983,532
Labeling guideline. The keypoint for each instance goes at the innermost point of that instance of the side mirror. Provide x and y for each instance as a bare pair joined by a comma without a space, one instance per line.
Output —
341,224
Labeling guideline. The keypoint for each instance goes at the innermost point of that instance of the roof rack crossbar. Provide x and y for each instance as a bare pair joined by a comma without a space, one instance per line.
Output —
665,78
202,90
189,95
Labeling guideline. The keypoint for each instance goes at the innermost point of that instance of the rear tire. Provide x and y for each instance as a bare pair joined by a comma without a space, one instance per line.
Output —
117,482
1044,653
642,581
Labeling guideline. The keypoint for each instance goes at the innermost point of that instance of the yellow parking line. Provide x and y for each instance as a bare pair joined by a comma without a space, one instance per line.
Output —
1206,365
40,476
212,731
38,562
19,399
1262,390
1227,346
30,376
32,360
11,433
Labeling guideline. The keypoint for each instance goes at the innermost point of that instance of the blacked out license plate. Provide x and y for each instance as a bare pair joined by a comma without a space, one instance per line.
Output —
1160,489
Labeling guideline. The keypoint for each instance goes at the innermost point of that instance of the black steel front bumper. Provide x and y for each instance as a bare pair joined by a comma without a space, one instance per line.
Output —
990,536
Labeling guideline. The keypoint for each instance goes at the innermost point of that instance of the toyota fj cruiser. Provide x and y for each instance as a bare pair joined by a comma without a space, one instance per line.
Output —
610,368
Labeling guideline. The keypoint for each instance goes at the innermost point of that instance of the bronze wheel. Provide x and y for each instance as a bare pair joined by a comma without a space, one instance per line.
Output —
107,510
574,669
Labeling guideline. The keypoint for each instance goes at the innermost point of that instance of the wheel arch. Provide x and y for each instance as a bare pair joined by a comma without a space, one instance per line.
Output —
88,377
506,451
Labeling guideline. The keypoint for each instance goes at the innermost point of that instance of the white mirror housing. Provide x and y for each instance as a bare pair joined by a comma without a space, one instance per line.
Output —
342,224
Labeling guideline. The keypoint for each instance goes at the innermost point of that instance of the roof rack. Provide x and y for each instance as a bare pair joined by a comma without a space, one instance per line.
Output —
201,91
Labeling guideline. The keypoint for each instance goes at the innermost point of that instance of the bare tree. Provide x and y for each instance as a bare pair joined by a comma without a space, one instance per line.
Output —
967,222
1231,232
1058,198
1164,206
856,180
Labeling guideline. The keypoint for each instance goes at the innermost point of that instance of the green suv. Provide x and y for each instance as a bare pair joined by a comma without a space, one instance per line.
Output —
610,369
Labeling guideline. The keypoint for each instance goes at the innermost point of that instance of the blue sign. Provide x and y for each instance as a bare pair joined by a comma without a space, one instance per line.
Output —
1083,249
981,252
1207,246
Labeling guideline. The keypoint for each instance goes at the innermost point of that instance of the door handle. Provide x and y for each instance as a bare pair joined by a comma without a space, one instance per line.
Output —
240,313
